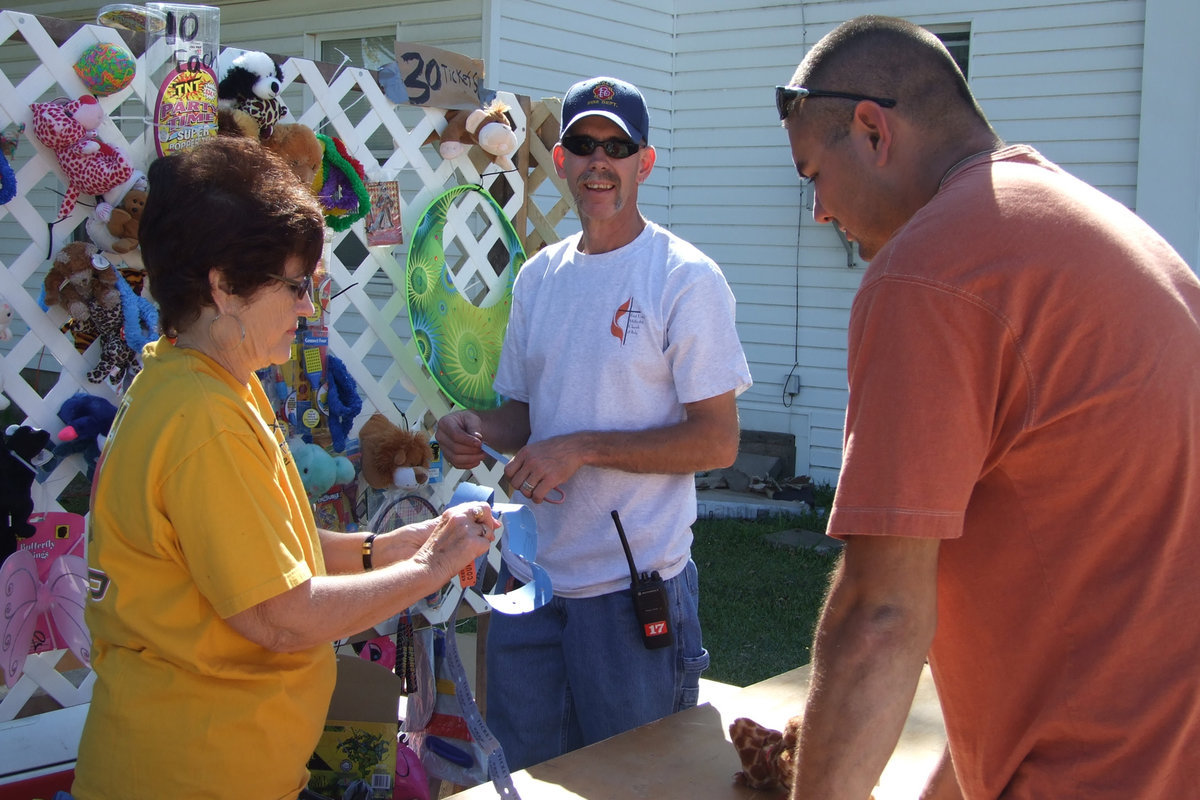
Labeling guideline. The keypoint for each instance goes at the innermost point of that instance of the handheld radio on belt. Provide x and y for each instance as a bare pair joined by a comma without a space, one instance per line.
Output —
649,599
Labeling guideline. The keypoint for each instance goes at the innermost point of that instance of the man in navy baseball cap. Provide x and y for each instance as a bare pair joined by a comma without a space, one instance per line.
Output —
612,98
598,404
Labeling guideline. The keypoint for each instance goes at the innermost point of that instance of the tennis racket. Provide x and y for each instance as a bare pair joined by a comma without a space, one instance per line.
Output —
402,511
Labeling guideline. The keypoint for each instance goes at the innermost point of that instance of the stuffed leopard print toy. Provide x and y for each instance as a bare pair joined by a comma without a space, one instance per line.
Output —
117,360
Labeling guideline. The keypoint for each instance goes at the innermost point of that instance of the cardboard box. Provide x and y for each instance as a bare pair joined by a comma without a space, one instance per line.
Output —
359,741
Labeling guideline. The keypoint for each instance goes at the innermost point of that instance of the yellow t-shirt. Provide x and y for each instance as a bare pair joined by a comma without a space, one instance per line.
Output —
198,513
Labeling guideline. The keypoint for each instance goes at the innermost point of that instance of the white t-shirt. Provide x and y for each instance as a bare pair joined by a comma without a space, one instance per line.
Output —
617,341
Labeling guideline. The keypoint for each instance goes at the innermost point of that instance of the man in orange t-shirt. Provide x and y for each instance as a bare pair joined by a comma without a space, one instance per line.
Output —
1020,493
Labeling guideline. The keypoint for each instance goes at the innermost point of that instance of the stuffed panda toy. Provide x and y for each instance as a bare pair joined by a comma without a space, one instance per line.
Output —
251,87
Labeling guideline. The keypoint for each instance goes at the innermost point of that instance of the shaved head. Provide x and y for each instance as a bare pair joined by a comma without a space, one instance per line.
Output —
890,57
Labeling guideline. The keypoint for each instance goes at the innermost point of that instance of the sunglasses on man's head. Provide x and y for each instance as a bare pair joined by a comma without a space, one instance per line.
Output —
300,286
613,148
786,97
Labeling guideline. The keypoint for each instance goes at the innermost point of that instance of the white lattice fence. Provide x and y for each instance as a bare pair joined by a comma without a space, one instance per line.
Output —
40,367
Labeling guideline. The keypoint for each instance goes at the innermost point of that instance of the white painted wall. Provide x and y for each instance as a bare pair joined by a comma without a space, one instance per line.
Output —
1104,87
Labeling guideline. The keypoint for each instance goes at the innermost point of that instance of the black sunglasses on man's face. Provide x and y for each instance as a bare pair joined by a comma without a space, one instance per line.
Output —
613,148
786,97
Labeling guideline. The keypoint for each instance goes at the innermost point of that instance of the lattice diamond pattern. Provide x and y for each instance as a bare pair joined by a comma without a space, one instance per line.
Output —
40,367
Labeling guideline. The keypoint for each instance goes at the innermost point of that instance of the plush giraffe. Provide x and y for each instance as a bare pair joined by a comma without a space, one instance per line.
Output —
766,755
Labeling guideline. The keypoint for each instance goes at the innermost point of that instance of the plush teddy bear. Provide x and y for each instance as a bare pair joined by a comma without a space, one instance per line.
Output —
125,218
298,146
489,127
19,448
393,456
319,469
90,165
81,279
251,87
113,225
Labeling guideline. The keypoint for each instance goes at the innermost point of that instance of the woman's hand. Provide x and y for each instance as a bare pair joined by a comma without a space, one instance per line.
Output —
462,534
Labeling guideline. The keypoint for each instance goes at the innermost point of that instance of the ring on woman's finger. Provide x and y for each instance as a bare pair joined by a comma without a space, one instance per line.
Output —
527,486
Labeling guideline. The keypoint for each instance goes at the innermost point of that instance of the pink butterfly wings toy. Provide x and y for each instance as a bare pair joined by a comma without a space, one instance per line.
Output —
23,597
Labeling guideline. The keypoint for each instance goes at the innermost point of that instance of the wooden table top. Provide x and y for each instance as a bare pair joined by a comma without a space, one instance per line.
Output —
688,756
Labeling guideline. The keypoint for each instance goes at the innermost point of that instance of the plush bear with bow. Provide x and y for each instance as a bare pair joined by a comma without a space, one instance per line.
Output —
89,165
393,456
114,225
488,127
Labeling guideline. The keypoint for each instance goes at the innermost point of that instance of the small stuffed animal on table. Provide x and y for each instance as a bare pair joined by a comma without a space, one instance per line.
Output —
767,756
393,456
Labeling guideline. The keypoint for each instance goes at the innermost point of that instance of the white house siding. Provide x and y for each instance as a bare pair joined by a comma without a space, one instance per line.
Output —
544,47
1168,192
1065,77
1104,87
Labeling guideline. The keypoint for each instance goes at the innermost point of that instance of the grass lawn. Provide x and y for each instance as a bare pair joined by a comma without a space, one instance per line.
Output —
759,602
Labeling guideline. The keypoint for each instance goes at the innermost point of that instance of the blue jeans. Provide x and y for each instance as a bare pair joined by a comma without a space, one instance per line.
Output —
575,671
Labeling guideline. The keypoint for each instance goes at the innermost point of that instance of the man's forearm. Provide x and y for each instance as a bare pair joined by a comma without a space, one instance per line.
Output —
706,439
871,644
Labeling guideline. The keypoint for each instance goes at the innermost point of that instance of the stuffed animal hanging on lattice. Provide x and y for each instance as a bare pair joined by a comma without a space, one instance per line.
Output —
89,165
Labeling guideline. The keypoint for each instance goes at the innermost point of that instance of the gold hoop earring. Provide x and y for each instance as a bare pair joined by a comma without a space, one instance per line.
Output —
222,341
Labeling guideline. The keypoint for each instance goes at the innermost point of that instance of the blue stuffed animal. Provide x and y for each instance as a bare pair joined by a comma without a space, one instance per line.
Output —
87,419
319,470
343,401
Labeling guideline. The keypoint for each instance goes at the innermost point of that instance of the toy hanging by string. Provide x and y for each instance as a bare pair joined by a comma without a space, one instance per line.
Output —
141,317
458,341
340,185
343,400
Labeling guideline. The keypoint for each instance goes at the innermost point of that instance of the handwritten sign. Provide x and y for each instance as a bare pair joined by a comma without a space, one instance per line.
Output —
439,78
182,54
